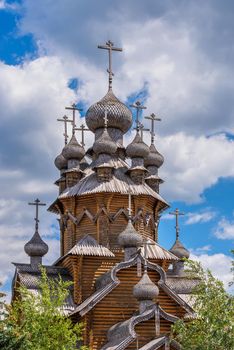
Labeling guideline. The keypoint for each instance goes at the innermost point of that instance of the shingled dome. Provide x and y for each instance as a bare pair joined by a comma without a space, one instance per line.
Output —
145,289
129,238
60,162
73,150
154,158
137,148
119,116
36,246
104,144
179,250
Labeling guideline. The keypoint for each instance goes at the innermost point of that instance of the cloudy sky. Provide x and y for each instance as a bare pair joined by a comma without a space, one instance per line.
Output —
178,59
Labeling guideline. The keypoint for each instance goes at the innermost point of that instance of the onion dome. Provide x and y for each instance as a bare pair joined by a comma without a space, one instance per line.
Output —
73,150
154,158
36,246
137,148
105,144
129,238
119,116
179,250
145,289
60,162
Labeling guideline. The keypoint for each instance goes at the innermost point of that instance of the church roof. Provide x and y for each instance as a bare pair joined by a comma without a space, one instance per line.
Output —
155,251
122,334
181,284
158,342
119,183
29,278
88,246
108,281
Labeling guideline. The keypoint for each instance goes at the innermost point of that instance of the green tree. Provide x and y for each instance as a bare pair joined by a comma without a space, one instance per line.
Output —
37,322
213,327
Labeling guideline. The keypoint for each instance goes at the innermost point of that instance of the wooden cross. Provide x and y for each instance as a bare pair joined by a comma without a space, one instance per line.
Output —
142,129
145,244
153,119
37,203
74,109
110,47
82,129
65,120
129,206
139,107
177,213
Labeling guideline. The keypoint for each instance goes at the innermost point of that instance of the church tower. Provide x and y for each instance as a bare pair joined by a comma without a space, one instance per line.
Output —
109,205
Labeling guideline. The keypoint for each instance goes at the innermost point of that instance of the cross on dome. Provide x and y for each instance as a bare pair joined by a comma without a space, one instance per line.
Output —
37,203
177,213
110,47
153,119
82,128
65,120
73,108
142,129
139,107
145,245
129,207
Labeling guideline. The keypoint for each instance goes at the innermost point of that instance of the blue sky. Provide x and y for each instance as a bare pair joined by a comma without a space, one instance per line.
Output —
178,59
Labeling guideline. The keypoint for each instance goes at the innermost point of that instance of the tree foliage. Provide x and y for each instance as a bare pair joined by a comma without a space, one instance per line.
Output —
213,327
37,322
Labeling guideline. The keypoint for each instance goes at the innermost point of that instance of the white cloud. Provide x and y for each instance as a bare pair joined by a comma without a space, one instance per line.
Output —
5,5
219,264
2,4
189,167
201,250
225,229
194,218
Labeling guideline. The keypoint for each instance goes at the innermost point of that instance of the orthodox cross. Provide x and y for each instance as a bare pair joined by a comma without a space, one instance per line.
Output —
139,107
110,47
129,206
37,203
65,120
142,129
74,109
177,213
145,244
153,119
82,129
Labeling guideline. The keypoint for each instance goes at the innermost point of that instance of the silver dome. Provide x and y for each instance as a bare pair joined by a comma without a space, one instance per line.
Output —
179,250
137,148
73,150
105,144
36,246
154,157
129,238
145,289
60,162
119,116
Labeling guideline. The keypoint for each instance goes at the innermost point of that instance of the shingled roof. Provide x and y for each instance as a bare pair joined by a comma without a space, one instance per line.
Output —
87,246
28,277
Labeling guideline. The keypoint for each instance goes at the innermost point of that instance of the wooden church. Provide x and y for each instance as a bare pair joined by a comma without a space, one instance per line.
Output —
128,290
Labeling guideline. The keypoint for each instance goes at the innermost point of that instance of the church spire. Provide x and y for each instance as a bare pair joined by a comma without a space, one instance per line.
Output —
177,213
139,107
110,48
178,248
153,119
36,248
154,160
